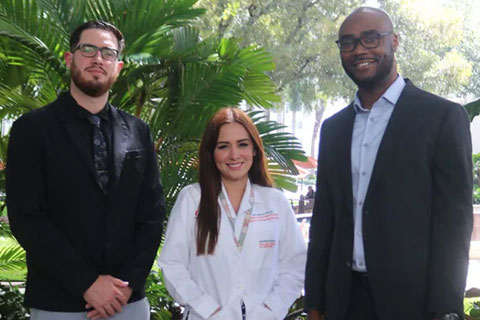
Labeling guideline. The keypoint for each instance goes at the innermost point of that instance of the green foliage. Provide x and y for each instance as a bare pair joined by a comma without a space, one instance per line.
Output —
11,303
476,178
172,78
439,45
473,109
12,256
162,306
471,308
296,311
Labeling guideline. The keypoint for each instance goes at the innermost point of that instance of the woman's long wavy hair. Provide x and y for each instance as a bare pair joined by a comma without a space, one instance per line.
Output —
208,218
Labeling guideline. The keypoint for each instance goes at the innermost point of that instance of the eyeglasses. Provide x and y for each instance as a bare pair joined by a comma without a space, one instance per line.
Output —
89,50
368,41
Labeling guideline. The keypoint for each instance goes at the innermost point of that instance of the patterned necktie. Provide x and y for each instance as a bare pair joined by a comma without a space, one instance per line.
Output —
100,153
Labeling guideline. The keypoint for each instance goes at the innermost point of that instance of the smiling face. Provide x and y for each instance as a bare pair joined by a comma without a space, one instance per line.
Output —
234,153
94,75
370,68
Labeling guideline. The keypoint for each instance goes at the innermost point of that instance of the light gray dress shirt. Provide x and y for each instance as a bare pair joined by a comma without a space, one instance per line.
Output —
368,130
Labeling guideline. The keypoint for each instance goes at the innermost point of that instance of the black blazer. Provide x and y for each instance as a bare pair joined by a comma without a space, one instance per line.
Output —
70,230
417,216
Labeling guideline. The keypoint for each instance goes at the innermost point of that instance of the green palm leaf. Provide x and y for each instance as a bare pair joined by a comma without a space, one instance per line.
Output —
12,258
172,79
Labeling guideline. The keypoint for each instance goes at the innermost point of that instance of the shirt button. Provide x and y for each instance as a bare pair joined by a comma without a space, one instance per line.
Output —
360,203
363,173
361,264
359,234
365,145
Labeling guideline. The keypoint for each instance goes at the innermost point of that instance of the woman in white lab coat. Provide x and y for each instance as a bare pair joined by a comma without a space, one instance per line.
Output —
233,249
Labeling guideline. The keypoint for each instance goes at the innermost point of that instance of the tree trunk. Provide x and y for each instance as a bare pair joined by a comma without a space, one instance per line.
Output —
294,121
319,110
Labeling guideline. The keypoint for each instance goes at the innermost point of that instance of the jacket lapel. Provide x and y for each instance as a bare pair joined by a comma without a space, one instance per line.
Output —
76,133
346,143
120,133
343,146
394,130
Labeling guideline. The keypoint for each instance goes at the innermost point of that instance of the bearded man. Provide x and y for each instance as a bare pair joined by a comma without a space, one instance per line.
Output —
392,217
83,192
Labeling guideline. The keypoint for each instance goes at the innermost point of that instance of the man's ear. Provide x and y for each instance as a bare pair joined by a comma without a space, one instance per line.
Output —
68,56
395,42
119,65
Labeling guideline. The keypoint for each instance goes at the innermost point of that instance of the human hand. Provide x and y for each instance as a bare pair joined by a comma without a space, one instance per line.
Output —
313,314
105,295
95,315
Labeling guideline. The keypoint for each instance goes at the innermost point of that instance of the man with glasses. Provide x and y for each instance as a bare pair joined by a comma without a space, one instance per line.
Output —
392,217
83,192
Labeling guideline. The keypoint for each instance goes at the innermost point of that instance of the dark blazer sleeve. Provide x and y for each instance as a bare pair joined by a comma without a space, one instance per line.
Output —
28,212
148,222
452,219
321,229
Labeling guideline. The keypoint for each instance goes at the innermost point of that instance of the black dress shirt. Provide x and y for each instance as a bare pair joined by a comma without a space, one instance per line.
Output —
87,130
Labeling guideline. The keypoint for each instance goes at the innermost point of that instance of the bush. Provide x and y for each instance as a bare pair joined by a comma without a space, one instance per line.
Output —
11,303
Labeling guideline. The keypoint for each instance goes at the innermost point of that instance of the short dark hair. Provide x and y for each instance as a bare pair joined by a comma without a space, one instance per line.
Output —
96,24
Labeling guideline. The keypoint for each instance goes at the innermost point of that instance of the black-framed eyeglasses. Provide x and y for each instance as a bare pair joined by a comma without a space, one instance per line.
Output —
89,50
367,40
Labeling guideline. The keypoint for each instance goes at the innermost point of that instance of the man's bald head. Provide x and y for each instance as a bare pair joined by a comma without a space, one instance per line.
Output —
367,48
378,14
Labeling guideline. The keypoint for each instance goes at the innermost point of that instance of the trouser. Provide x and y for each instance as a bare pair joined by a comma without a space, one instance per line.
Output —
139,310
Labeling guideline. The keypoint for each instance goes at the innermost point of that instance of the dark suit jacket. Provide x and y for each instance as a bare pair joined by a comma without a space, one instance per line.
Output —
417,216
70,230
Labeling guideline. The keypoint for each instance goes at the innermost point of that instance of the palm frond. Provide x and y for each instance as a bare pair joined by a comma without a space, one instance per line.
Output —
12,258
5,231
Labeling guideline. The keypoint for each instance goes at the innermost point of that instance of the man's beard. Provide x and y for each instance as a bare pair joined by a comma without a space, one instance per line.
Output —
378,78
89,87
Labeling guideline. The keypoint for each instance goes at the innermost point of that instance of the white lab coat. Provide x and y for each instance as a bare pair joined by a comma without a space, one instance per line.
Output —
269,270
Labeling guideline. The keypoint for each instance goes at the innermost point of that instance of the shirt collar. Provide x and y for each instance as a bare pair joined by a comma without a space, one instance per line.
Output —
247,200
83,113
391,95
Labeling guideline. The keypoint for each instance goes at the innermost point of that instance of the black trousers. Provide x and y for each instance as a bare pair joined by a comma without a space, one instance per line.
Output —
361,305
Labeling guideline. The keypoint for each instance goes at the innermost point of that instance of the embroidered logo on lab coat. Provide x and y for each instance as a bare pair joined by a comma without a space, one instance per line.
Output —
266,216
266,243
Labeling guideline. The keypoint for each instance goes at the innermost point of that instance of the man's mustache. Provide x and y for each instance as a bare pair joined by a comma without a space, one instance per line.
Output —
96,67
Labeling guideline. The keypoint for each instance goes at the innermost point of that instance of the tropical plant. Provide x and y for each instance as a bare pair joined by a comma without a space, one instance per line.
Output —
162,306
472,308
11,303
12,256
172,79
